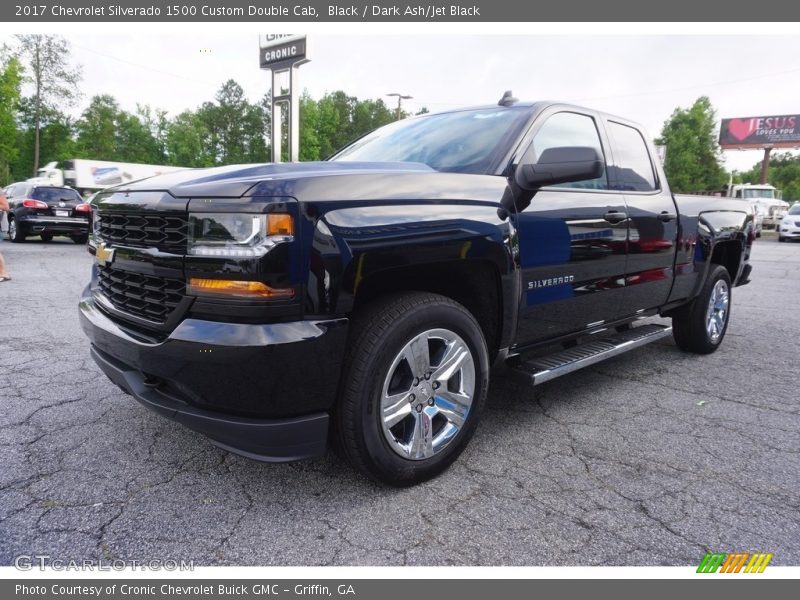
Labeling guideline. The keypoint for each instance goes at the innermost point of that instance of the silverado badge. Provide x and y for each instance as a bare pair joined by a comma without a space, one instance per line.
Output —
104,255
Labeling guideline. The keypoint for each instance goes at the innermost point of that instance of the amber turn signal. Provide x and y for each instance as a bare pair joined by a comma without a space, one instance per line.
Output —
237,289
279,224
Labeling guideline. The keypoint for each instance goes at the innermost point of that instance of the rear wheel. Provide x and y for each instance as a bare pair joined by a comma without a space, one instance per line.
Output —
701,326
415,381
14,233
46,237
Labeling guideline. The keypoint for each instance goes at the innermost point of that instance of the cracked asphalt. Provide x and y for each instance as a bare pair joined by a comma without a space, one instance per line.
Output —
652,458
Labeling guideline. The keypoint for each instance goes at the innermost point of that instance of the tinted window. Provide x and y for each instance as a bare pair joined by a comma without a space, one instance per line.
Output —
568,129
633,170
54,194
466,141
795,210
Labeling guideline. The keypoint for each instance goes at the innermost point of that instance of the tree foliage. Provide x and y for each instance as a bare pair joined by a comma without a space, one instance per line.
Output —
53,78
10,81
694,159
229,129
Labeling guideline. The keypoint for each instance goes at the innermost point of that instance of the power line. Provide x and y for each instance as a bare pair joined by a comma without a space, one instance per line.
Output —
128,62
692,87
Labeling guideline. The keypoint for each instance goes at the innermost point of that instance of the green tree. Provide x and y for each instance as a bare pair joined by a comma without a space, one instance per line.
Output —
97,129
56,138
10,82
53,78
156,122
134,141
187,141
693,160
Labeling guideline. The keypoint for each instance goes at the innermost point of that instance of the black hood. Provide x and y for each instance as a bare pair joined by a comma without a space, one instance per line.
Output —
234,181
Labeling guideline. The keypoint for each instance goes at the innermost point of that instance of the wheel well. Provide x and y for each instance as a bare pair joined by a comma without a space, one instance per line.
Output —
474,284
729,255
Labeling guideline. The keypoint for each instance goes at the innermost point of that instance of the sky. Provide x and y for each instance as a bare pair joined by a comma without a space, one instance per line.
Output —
642,78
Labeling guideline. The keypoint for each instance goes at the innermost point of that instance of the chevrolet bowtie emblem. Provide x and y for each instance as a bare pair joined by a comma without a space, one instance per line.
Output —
103,255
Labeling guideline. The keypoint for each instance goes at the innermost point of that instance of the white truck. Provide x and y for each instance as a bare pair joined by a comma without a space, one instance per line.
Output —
88,176
765,199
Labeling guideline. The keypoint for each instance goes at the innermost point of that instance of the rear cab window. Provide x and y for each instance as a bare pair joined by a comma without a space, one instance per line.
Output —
633,167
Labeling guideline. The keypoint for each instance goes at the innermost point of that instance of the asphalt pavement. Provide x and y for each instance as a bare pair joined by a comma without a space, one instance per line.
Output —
651,458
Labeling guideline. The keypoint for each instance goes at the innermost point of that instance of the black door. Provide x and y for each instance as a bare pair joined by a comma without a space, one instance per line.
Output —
652,224
572,240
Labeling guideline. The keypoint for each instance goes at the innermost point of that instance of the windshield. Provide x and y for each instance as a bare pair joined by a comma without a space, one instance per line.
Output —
465,141
795,210
762,193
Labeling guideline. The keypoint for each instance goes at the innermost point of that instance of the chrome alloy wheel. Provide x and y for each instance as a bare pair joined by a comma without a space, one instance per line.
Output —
427,394
717,313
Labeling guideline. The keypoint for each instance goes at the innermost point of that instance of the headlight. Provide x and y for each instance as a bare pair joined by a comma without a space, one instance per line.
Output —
238,235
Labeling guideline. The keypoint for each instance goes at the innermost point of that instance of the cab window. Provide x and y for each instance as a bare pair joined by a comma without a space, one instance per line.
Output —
568,129
633,169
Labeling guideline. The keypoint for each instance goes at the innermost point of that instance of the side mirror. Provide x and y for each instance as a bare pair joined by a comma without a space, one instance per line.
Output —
560,165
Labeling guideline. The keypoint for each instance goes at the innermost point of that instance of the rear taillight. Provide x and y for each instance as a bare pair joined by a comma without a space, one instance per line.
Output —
38,204
83,208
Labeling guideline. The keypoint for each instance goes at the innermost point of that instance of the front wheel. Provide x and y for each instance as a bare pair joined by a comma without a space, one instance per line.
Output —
415,380
701,326
80,239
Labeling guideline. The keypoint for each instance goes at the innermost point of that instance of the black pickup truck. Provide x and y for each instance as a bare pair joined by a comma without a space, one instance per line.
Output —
362,300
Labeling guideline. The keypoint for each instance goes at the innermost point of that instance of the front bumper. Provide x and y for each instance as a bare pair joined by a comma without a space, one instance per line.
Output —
790,231
264,391
53,225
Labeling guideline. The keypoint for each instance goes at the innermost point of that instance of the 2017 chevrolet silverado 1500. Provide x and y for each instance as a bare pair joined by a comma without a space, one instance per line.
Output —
363,299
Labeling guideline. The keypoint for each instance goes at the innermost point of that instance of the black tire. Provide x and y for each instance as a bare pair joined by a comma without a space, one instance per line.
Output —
80,239
14,233
46,237
781,238
690,324
377,336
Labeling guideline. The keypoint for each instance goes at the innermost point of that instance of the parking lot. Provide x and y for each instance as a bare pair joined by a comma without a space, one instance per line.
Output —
652,458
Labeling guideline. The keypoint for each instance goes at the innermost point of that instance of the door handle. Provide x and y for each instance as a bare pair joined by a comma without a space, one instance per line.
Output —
614,217
664,217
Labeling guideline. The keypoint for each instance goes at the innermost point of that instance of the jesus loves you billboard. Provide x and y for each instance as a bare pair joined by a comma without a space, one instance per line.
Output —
782,131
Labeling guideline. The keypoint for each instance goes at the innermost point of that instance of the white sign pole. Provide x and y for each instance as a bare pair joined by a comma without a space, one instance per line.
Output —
277,120
284,54
294,114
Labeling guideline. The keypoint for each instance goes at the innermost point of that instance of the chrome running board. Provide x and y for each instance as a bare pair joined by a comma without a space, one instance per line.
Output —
545,368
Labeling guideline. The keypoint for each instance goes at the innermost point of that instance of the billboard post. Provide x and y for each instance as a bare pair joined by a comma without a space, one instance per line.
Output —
284,54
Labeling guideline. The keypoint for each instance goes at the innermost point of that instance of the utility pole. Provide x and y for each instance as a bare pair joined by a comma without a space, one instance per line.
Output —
400,98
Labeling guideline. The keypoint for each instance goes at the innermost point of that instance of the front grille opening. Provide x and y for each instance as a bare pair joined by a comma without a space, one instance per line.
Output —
145,296
167,232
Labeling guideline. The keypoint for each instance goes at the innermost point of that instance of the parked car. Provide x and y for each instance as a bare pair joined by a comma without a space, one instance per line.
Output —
398,272
789,228
46,211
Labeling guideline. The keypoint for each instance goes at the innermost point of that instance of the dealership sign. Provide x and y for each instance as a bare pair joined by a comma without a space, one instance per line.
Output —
782,131
281,51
